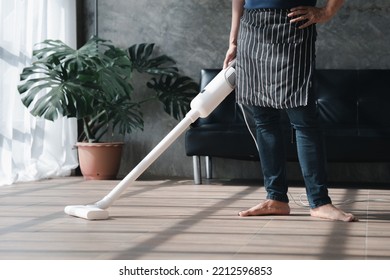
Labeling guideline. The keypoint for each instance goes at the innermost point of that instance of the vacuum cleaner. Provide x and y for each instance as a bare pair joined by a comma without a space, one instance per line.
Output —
201,106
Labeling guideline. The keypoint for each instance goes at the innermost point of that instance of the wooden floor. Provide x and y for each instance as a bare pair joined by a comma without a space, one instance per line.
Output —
176,220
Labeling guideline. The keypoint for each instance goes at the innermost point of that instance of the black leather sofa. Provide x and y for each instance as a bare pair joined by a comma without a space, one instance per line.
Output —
353,109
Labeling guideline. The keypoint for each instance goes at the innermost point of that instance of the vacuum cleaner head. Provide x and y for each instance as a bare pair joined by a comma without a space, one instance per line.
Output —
89,212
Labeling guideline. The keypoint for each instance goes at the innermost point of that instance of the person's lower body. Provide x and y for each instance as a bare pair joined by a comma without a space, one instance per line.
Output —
310,150
311,157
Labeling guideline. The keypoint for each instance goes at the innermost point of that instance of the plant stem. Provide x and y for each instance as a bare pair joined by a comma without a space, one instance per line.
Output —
87,131
147,100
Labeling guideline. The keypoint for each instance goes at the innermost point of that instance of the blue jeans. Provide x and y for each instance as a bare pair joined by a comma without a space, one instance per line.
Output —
310,149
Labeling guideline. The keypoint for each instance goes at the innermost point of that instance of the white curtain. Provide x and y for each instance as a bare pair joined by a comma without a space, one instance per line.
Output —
32,148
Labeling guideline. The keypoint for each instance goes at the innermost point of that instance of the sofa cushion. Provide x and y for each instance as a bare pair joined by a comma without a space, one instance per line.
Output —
336,93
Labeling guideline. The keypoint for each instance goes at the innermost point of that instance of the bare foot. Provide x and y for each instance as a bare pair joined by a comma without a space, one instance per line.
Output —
330,212
268,207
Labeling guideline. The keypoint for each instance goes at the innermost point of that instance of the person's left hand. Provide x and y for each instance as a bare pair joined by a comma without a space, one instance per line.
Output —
310,15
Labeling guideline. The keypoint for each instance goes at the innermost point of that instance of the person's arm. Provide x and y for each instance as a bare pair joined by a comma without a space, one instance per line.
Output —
314,15
237,10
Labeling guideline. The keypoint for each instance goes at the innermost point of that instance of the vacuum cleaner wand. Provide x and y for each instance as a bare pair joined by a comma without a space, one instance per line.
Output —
201,106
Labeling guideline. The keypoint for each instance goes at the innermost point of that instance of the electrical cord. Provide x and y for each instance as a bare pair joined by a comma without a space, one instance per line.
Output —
247,125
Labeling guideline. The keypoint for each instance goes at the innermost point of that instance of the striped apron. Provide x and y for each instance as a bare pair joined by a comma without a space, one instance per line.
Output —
275,60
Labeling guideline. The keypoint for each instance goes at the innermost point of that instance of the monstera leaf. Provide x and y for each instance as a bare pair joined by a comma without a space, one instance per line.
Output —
93,84
64,81
143,61
175,93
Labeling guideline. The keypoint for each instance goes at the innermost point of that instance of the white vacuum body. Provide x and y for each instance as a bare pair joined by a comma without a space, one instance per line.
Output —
214,92
201,106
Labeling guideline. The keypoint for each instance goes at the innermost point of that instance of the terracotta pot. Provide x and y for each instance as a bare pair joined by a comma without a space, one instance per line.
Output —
99,161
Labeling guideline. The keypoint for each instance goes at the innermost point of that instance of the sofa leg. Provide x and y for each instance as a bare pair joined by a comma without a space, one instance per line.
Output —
209,167
197,170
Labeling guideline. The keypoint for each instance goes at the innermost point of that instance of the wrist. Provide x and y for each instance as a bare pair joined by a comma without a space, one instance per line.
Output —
328,12
233,41
332,8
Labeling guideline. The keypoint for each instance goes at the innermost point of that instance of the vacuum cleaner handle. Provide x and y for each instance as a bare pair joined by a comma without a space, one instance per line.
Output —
215,91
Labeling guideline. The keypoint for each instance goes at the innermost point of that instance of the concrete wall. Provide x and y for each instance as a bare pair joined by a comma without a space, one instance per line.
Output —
195,33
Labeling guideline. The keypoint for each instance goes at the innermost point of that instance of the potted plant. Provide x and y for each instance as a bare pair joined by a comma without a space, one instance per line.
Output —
93,84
